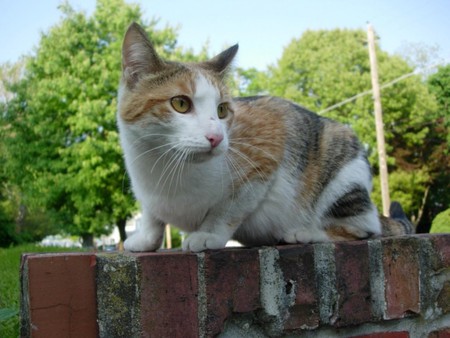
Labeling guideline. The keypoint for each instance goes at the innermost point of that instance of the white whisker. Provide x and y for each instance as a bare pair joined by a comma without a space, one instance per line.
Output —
250,162
253,146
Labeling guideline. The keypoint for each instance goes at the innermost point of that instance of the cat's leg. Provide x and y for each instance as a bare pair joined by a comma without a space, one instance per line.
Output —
210,237
148,236
223,220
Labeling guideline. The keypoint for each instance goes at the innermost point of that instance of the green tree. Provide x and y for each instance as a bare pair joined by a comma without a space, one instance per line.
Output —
7,228
63,147
438,158
323,68
9,74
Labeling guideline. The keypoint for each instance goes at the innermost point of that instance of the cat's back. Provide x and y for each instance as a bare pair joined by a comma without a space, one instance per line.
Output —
275,133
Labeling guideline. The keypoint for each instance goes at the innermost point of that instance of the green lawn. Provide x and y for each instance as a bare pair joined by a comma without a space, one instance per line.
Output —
10,287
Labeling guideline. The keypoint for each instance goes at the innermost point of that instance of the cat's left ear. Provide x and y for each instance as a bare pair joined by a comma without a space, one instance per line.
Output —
221,62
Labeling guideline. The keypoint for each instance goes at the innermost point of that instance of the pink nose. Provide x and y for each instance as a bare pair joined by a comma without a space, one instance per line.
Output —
214,139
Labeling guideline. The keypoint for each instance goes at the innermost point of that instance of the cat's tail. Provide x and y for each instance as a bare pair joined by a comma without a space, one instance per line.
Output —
397,223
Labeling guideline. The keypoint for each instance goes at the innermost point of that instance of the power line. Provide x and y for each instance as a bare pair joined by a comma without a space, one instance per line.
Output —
388,84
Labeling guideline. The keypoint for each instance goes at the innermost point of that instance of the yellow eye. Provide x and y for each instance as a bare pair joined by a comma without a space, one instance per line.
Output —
222,110
181,104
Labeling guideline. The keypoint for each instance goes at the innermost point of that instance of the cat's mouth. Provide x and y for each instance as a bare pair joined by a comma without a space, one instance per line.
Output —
203,156
199,157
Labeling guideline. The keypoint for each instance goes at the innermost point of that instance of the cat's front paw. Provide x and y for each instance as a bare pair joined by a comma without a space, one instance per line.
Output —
200,241
142,242
304,236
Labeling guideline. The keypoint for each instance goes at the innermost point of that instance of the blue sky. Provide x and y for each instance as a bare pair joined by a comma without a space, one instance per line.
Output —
262,28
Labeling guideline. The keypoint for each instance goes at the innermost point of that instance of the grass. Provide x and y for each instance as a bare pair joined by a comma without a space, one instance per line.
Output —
10,285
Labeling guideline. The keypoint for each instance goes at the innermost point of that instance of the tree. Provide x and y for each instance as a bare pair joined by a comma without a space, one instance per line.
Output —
7,231
438,144
323,68
9,74
63,147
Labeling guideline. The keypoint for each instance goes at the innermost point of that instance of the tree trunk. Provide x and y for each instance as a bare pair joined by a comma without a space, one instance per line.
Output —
87,240
121,223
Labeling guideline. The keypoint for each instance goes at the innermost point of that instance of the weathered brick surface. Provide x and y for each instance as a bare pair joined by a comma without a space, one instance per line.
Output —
353,283
297,265
61,296
443,333
443,300
402,274
169,291
328,288
231,279
442,248
439,276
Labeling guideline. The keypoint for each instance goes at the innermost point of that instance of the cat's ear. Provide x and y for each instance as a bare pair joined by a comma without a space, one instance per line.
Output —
138,55
221,62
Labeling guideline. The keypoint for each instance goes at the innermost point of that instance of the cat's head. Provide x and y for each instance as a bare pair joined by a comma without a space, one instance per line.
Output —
184,107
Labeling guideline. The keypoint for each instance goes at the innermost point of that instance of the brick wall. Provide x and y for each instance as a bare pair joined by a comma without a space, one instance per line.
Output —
393,287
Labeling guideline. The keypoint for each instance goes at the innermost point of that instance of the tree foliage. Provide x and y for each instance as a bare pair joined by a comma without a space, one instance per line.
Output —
63,147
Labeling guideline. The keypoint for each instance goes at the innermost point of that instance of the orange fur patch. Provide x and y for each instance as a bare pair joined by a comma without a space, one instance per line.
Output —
153,98
257,139
340,233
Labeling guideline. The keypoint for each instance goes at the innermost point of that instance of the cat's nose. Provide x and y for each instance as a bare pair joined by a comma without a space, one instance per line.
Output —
214,139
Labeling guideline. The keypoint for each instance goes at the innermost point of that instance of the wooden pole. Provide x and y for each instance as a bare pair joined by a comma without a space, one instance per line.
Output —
168,237
378,122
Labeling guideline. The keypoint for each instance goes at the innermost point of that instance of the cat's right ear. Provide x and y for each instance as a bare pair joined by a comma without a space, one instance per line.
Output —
221,63
138,55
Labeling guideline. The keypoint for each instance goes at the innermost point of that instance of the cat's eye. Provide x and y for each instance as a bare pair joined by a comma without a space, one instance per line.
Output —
222,110
181,104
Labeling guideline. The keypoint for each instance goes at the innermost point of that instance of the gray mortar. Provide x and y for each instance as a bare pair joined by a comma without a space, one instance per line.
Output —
242,325
377,279
25,320
202,297
325,267
275,301
118,296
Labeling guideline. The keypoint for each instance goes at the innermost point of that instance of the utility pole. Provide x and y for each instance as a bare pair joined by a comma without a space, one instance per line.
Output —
378,121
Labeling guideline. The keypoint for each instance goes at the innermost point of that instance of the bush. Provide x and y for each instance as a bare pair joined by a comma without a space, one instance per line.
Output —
441,223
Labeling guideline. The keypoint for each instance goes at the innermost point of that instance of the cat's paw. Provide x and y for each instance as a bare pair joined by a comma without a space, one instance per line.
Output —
142,242
304,236
200,241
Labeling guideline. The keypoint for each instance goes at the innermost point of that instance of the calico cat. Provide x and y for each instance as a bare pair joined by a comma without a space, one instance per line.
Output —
260,170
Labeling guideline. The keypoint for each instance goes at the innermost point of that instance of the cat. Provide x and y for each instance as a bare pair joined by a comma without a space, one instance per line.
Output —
260,170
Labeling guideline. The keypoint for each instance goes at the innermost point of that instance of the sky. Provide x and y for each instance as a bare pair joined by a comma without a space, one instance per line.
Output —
262,28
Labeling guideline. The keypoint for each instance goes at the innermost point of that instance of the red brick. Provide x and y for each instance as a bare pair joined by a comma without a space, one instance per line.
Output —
402,334
62,295
401,270
232,285
169,290
353,283
297,265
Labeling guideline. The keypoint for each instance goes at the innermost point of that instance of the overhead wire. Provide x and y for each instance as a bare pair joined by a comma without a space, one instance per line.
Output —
388,84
